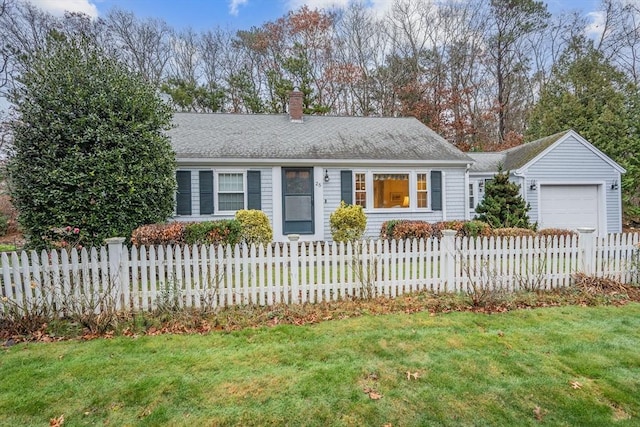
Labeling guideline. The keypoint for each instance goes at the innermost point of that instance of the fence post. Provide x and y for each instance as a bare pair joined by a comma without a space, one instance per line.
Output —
447,258
586,250
114,247
293,254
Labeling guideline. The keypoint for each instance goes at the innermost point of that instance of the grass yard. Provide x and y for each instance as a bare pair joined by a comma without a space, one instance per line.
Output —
551,366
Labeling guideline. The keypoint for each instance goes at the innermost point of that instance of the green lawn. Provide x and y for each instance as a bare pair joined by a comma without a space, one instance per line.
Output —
552,366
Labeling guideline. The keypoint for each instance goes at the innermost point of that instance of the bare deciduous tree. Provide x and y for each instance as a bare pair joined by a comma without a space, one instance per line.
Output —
145,46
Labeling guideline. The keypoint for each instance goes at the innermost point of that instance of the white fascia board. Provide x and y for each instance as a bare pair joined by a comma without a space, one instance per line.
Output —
325,162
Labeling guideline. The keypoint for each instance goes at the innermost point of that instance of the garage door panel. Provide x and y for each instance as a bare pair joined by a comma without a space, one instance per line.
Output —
569,206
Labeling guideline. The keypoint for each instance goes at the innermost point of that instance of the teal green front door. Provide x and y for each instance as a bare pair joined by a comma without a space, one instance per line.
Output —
297,201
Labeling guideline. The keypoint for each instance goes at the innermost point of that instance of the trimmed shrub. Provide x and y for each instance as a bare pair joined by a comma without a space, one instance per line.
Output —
256,227
348,223
412,230
456,225
386,230
550,232
476,228
221,232
171,233
513,232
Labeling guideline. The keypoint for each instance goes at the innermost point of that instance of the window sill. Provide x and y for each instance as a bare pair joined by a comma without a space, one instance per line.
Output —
397,210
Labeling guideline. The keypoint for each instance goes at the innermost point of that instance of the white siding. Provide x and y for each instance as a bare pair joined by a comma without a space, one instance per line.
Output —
571,162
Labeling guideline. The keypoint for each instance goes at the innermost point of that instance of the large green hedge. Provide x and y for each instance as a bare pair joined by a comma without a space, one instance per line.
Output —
90,146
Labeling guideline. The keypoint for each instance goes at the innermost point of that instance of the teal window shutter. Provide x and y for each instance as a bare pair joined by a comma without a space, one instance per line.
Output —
254,190
206,192
346,187
436,190
183,194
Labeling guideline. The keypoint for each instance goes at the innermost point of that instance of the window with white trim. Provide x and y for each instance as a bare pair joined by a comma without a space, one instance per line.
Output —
421,190
361,189
472,198
392,190
231,191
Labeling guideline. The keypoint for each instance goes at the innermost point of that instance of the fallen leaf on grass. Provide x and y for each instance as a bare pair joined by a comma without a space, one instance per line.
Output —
414,375
373,395
538,413
575,385
56,422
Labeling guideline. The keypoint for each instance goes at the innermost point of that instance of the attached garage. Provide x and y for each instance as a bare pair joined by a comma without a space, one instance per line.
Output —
569,206
567,182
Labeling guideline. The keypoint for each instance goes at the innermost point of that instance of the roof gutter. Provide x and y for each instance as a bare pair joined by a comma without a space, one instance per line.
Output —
327,162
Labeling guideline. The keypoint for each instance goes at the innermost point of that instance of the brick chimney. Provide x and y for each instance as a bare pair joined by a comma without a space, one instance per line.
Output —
295,106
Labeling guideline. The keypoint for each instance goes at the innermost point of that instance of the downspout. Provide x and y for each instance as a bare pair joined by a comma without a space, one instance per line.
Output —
467,208
523,187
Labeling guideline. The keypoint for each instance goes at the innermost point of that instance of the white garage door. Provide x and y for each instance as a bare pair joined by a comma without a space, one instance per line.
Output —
568,206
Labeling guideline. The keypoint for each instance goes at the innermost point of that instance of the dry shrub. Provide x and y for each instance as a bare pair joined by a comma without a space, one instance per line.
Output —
9,211
593,285
158,234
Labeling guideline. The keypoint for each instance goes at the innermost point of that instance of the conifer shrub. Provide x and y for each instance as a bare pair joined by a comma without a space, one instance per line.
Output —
256,227
348,223
503,206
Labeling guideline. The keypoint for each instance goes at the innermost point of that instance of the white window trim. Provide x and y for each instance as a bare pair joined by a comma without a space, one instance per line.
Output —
216,183
413,189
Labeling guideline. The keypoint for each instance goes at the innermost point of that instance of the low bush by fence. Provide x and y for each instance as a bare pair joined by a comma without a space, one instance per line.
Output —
117,278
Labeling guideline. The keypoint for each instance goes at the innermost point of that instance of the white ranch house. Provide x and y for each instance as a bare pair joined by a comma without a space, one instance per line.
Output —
297,170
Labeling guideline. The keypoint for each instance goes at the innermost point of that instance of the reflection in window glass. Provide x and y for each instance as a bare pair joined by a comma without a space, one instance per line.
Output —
391,190
422,194
361,190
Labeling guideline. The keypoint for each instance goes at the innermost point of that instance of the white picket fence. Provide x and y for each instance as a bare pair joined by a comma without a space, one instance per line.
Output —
148,278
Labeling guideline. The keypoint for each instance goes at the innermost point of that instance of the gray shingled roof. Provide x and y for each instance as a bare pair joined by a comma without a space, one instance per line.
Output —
519,156
257,136
486,162
513,158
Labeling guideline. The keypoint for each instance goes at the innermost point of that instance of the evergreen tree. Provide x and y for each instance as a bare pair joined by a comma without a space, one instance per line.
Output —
503,206
90,151
588,94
